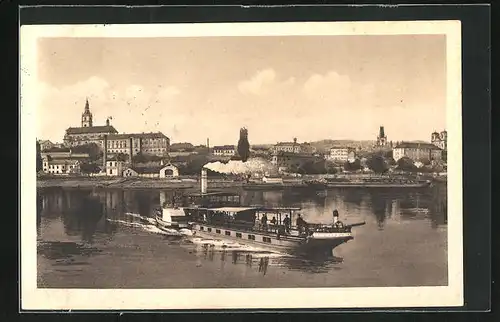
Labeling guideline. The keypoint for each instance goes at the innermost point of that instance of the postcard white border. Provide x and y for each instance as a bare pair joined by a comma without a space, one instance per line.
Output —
277,298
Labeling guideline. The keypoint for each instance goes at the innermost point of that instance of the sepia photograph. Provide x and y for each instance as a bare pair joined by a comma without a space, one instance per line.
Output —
241,165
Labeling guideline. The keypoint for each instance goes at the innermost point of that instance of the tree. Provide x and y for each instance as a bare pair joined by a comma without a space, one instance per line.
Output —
194,165
39,162
406,164
309,167
89,168
243,145
330,168
377,164
122,157
92,149
352,166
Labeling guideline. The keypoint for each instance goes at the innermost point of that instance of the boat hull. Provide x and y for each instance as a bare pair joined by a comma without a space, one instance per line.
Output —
168,225
319,243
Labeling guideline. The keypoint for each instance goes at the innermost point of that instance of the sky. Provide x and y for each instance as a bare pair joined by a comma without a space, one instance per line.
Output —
191,89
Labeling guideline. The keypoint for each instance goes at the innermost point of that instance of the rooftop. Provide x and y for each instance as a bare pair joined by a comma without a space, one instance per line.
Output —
151,135
286,143
291,154
417,145
224,147
61,161
91,129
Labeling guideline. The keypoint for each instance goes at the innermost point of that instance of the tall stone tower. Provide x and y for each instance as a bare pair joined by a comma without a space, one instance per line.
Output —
87,116
381,138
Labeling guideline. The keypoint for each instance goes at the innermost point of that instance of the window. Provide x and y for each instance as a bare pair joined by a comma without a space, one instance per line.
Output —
251,237
209,229
266,239
228,233
202,228
217,231
238,235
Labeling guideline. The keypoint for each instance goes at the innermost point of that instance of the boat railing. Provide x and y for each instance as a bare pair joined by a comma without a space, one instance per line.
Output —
277,228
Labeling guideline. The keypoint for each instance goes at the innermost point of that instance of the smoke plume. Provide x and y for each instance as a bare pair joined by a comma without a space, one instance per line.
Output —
251,166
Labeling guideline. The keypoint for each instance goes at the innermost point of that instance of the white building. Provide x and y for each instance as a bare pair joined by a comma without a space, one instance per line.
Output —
289,147
224,150
417,151
342,154
129,172
59,166
114,168
169,171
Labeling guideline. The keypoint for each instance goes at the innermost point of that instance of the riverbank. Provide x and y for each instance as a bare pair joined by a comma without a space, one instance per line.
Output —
129,183
189,184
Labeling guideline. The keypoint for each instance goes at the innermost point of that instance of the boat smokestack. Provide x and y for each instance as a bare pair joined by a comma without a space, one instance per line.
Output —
203,180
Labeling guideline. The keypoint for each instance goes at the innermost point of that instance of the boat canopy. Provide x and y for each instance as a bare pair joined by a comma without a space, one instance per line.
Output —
278,209
220,193
233,209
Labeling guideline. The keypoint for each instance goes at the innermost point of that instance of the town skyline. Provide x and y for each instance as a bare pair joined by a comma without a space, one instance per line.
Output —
59,140
192,89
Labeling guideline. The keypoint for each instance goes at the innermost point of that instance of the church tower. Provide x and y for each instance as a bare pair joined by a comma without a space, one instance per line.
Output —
381,138
87,116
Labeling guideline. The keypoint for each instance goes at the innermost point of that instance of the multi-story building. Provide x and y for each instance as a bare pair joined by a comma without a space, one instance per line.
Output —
342,154
417,151
61,166
290,147
381,138
64,153
440,139
287,160
307,148
224,150
45,144
114,167
87,132
146,143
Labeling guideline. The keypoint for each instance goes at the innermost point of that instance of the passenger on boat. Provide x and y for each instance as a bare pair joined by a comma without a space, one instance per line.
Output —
336,222
273,222
287,223
301,224
335,216
263,221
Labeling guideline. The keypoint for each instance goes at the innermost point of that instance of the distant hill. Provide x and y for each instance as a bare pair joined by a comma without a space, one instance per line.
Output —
325,145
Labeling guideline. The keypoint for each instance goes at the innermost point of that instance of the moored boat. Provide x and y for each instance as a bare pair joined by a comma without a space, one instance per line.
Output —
369,183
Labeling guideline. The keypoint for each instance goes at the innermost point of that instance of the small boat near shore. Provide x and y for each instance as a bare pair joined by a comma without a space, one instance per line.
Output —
367,183
219,215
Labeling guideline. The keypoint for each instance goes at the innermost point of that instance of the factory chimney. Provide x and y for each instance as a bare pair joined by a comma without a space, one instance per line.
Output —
130,151
208,145
105,153
203,180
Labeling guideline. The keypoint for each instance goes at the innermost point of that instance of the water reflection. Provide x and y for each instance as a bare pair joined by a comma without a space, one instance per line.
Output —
261,261
86,213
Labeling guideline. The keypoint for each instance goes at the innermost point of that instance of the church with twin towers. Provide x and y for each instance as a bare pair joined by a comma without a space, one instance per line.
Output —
152,143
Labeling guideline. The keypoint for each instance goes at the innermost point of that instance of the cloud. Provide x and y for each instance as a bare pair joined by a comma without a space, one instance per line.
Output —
322,85
264,82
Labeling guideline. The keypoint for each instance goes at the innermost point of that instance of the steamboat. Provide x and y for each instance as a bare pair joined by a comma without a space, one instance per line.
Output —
220,215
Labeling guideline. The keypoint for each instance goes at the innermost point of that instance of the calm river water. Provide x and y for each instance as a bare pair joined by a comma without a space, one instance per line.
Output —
108,242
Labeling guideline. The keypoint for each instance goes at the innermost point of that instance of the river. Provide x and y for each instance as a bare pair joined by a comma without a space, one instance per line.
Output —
103,239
